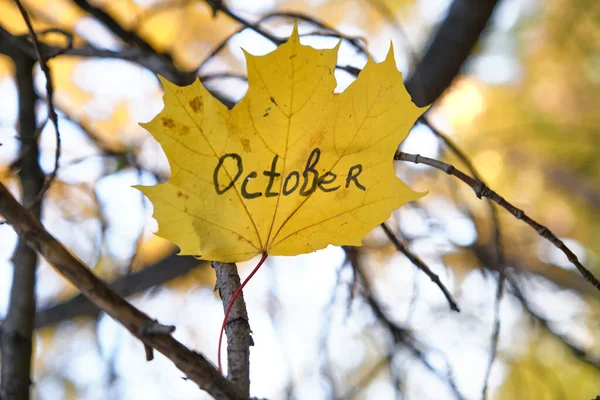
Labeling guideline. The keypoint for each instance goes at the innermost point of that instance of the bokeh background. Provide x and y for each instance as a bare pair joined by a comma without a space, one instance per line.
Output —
363,323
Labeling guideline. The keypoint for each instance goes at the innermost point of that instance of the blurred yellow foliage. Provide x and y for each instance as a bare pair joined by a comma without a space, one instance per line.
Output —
549,371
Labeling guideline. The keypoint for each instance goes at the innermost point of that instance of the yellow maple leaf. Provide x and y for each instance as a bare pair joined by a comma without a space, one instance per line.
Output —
290,169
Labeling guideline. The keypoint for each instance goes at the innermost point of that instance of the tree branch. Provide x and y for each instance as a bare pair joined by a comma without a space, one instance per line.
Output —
481,190
449,49
237,326
421,265
16,333
194,365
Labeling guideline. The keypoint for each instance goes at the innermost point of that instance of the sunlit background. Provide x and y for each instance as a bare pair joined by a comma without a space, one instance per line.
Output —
524,109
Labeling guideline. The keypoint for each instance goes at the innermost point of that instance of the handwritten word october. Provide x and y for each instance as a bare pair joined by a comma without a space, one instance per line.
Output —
307,181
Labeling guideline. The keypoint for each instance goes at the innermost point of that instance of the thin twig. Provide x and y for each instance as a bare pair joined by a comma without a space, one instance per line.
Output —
256,27
219,6
49,97
297,16
358,43
481,190
495,332
417,262
59,50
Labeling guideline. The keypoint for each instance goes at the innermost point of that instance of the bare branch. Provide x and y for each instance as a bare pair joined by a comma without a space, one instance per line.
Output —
258,29
481,190
417,262
16,334
449,49
194,365
217,5
495,332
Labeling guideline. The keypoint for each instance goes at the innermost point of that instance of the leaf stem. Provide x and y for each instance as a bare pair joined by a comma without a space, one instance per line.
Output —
232,301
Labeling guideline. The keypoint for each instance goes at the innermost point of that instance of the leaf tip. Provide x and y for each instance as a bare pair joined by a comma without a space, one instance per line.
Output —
139,187
162,80
390,53
295,36
247,56
337,45
165,83
391,59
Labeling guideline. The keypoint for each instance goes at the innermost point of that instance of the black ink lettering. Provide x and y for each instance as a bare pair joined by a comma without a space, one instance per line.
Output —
235,178
294,174
272,175
353,176
311,180
312,161
326,180
245,193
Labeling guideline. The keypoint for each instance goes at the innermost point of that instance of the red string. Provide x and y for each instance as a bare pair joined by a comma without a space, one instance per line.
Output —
235,296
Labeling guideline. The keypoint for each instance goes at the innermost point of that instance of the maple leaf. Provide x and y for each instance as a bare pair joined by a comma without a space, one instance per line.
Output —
290,169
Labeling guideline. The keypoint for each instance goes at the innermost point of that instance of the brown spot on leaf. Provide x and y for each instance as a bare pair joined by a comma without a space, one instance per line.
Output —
196,104
168,123
342,194
181,194
185,130
316,139
246,144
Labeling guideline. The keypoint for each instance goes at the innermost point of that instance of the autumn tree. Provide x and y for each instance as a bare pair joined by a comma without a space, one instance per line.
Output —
482,286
